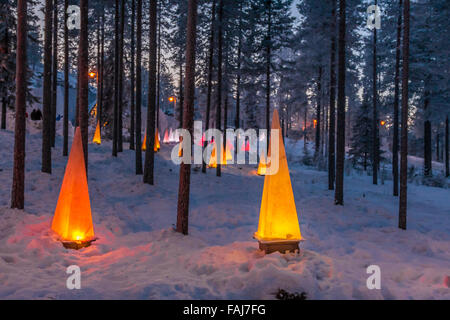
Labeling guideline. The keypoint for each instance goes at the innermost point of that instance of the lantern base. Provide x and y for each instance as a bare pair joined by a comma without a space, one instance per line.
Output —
279,246
77,245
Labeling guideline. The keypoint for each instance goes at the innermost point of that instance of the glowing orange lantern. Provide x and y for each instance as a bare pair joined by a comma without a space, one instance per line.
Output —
73,220
166,137
171,99
144,143
97,136
92,75
157,144
245,146
213,158
278,228
315,123
262,166
383,123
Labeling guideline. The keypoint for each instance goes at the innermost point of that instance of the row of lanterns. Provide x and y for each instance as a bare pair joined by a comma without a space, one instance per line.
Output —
278,228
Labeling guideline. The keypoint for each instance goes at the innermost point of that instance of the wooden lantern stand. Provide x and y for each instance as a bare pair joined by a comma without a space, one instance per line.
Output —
282,246
77,245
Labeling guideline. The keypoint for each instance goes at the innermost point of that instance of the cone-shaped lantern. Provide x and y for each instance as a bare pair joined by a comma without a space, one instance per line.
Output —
213,158
144,143
262,166
97,136
166,136
157,144
278,228
73,220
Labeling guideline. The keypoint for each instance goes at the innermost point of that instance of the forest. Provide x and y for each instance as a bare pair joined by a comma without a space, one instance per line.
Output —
355,93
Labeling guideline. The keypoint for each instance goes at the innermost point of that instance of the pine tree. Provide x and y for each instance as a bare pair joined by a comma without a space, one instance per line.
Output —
150,154
404,131
362,139
139,169
185,168
340,149
47,88
18,185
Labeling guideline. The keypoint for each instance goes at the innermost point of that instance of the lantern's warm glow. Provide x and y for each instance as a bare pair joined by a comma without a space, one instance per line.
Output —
278,219
166,136
383,123
97,136
73,220
171,99
262,166
157,143
245,146
315,123
144,143
213,158
92,75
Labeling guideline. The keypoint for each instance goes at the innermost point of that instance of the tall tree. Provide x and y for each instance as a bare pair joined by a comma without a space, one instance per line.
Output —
210,73
83,78
132,80
54,71
138,87
219,86
332,124
395,142
340,148
116,80
66,83
47,90
375,122
121,75
404,131
447,166
18,185
150,153
185,168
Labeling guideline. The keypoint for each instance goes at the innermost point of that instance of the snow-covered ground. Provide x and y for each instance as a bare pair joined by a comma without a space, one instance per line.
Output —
138,256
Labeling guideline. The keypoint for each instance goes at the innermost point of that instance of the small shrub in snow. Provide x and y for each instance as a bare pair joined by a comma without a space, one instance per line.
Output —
285,295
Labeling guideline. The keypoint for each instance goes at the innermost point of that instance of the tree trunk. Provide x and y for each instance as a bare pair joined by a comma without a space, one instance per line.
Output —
116,79
4,49
18,184
101,71
181,98
318,112
447,166
83,70
66,83
158,95
375,140
185,168
47,91
219,88
332,129
121,73
132,102
139,170
427,169
396,102
238,80
340,155
404,132
150,153
210,72
54,70
268,62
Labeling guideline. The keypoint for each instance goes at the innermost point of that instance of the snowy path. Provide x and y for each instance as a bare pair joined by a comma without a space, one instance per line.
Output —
137,255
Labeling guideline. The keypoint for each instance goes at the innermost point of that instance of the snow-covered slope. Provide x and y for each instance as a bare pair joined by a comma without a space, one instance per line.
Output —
138,256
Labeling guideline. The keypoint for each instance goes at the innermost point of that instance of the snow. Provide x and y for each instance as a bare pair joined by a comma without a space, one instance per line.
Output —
139,256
